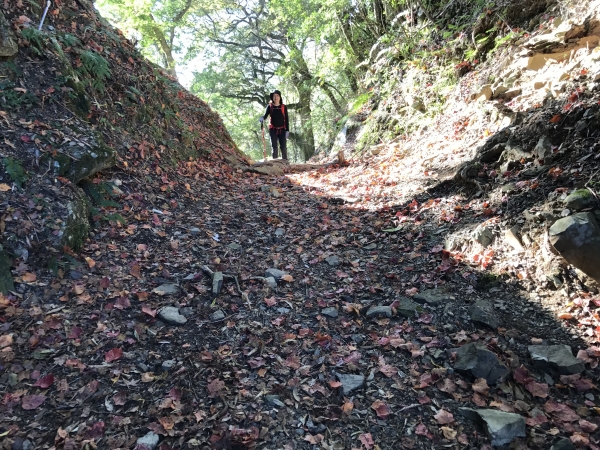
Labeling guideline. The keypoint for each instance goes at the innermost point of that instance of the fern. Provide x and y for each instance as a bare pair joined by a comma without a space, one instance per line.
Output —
96,67
36,39
69,40
16,171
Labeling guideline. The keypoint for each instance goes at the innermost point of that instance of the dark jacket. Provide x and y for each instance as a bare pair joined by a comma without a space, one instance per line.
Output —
278,119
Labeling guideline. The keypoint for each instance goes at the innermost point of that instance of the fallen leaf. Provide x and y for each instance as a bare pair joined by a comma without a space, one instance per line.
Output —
382,409
4,187
555,119
32,401
449,433
113,355
287,278
444,417
29,277
367,440
45,382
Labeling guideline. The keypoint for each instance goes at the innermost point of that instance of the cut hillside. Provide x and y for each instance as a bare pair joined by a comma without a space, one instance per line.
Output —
158,295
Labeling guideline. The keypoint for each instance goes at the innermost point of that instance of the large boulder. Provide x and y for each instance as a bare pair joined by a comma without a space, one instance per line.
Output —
76,226
502,427
557,357
8,41
577,239
84,158
478,361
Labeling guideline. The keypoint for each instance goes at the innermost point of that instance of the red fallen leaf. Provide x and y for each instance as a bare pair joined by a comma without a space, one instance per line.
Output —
579,440
277,322
96,432
175,394
314,440
113,355
75,333
120,398
382,409
555,119
335,384
521,375
388,371
215,387
367,440
26,138
479,400
588,427
271,301
444,417
255,363
293,361
422,430
341,274
136,271
45,382
560,411
537,389
32,401
147,310
122,303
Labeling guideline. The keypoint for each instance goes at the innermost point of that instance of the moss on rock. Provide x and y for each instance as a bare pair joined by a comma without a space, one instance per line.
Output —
77,225
6,280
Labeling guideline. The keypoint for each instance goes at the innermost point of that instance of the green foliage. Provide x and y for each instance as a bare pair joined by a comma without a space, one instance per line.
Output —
16,171
96,68
13,98
68,40
37,39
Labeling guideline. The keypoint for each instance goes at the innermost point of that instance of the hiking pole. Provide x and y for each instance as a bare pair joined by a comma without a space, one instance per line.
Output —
262,128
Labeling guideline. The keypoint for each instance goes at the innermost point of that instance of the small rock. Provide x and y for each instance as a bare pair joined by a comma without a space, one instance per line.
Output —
217,315
509,188
265,188
282,310
512,237
186,311
150,440
539,85
271,282
279,232
563,444
195,231
275,192
432,297
75,275
350,382
482,313
512,93
171,316
372,246
235,247
167,365
274,400
330,312
486,92
577,239
543,148
217,283
380,311
580,199
557,357
475,359
484,235
357,338
275,273
501,426
333,261
406,307
166,289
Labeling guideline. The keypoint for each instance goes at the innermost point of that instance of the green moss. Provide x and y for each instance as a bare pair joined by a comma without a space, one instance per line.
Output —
77,225
6,280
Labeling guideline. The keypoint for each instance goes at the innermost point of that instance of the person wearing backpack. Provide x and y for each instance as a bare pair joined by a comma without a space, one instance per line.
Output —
279,128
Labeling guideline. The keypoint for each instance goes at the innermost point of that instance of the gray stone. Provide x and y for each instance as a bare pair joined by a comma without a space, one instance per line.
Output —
484,235
217,315
330,312
500,89
76,228
235,247
166,289
186,311
501,426
543,148
274,400
557,357
406,307
482,313
265,188
563,444
275,273
508,188
512,237
350,382
432,297
195,231
150,440
475,359
167,365
217,283
6,279
8,40
279,232
271,282
380,311
275,192
371,247
580,199
512,93
333,261
492,155
171,316
577,239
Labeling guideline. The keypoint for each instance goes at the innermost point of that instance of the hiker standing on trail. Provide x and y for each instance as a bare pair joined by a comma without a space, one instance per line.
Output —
279,128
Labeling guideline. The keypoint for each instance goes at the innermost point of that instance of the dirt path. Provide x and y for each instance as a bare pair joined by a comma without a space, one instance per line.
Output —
306,364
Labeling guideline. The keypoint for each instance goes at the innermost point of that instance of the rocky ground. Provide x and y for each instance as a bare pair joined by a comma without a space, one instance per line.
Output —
427,296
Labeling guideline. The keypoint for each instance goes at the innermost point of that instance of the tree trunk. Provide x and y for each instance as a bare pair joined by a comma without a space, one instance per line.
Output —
307,137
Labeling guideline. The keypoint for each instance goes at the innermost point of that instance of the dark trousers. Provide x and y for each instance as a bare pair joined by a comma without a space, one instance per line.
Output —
282,142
